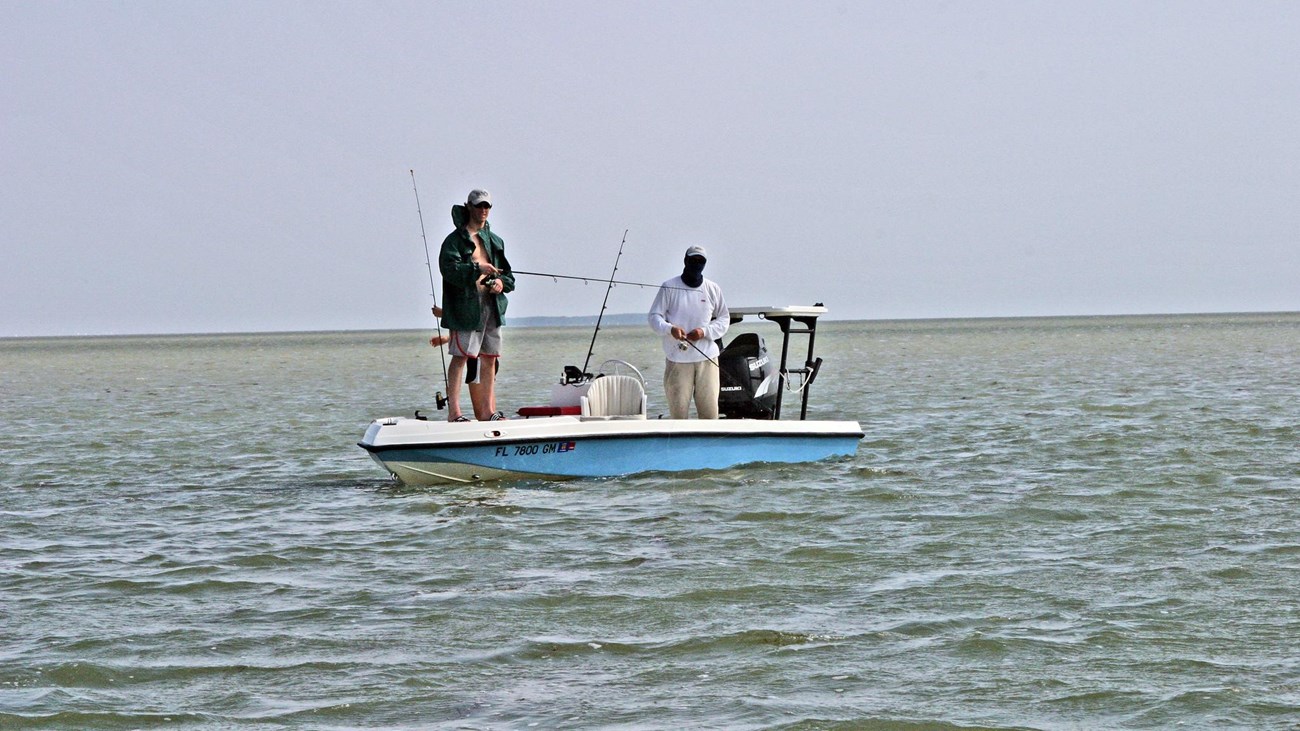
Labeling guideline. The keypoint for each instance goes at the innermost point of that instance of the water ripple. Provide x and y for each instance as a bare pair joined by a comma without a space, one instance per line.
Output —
1051,525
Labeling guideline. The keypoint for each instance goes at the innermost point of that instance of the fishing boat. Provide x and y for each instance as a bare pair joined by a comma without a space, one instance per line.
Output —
600,426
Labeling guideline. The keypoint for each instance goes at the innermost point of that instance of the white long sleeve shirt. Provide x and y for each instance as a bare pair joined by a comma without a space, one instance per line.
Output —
689,308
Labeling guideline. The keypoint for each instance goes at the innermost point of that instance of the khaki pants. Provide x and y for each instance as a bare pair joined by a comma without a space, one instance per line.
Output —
684,380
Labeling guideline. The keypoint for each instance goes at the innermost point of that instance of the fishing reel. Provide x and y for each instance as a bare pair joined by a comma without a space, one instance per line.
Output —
487,281
438,399
573,374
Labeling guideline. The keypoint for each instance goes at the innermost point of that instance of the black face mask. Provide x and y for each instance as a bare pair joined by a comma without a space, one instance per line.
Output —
693,274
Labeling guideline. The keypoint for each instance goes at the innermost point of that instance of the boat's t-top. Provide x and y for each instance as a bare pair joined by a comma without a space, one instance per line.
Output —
751,384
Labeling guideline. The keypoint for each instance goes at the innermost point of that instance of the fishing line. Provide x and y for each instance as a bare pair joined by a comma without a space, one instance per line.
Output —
611,282
439,399
610,285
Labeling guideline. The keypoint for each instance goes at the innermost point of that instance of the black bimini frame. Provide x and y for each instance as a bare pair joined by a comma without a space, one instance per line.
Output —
797,320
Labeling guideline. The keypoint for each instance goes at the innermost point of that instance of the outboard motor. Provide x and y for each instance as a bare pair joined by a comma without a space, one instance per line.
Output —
748,379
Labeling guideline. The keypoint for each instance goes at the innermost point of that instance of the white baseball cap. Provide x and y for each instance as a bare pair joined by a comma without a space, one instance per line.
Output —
478,195
697,251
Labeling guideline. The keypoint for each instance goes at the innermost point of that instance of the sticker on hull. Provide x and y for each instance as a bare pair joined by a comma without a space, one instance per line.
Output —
529,450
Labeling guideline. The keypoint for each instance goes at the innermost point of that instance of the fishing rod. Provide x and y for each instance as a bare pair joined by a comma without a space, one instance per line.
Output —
707,357
715,363
439,399
592,348
785,377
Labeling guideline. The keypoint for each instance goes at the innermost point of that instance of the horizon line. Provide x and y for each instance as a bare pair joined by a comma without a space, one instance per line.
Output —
590,320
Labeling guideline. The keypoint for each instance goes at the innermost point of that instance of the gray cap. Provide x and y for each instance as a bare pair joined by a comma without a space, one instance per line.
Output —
478,195
697,251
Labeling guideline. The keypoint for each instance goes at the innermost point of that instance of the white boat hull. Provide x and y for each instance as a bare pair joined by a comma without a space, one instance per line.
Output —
419,452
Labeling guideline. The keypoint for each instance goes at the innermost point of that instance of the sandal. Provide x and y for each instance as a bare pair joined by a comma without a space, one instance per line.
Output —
461,418
497,416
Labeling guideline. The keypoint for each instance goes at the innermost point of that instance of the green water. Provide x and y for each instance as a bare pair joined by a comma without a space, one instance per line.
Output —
1055,524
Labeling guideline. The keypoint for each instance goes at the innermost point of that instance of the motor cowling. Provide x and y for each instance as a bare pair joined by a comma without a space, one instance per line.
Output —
748,379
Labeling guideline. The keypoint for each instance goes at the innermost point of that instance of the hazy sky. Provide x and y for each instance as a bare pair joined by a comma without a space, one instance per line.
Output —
242,166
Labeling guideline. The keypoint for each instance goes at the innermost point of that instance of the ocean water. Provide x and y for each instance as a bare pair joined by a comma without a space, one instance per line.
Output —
1080,523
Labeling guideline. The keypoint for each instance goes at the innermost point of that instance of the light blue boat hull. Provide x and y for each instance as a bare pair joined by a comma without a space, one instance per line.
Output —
568,448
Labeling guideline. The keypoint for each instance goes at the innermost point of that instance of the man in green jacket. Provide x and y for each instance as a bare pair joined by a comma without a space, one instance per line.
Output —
475,279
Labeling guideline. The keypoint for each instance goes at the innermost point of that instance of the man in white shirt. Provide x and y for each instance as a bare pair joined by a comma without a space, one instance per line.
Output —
690,314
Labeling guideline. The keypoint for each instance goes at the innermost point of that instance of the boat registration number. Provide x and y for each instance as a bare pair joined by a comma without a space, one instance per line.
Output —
528,450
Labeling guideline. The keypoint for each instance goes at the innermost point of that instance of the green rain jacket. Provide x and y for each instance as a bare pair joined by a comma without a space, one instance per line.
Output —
460,301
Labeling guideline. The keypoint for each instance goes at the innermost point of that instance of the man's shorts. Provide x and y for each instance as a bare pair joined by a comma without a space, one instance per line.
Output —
475,344
484,343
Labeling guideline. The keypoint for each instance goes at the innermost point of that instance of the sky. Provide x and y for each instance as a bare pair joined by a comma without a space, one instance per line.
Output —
247,166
